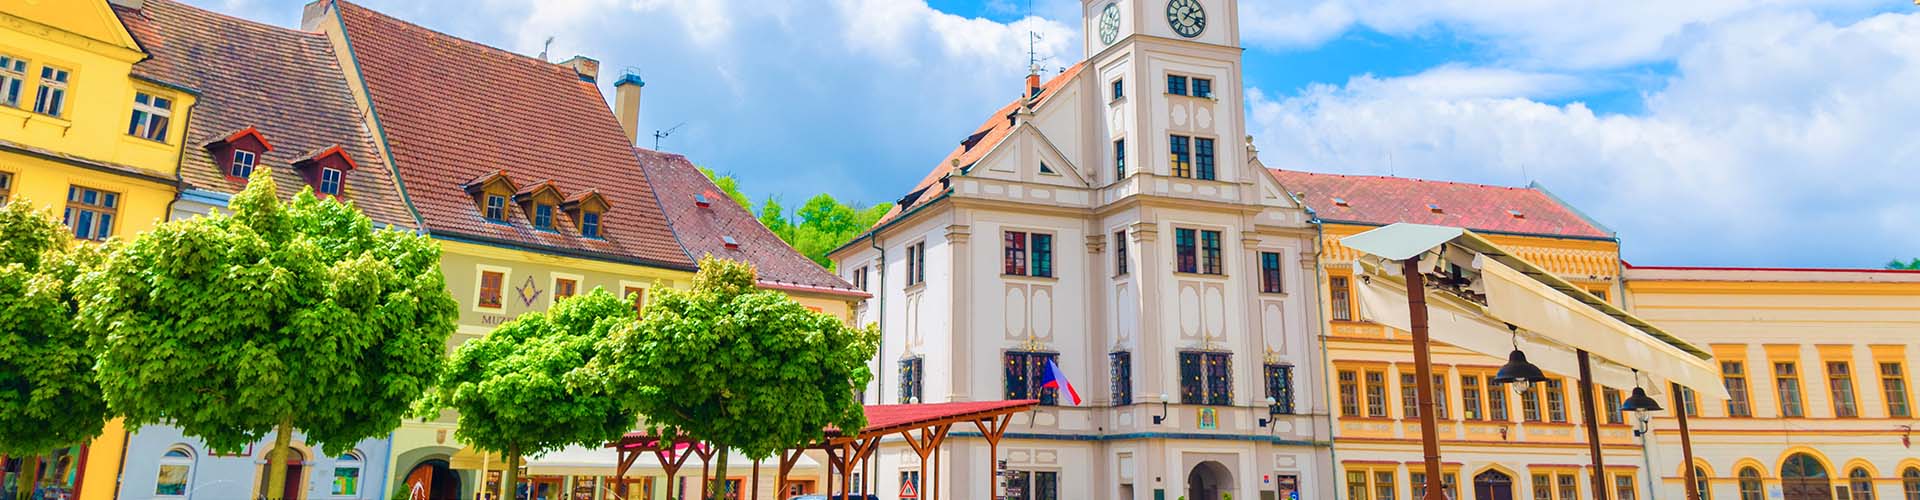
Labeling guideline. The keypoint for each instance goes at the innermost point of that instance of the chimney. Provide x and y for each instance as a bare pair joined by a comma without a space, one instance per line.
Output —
586,67
626,103
1033,86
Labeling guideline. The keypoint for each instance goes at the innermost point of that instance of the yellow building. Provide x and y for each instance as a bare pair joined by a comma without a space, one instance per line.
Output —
1496,443
83,136
1818,366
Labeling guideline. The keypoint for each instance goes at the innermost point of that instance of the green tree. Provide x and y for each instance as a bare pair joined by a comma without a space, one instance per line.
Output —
1912,265
739,367
774,217
526,388
48,396
280,316
730,186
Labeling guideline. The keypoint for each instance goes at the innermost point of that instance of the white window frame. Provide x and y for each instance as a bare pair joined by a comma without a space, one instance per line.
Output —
147,113
13,78
486,205
506,279
165,460
53,82
553,286
646,294
253,161
339,181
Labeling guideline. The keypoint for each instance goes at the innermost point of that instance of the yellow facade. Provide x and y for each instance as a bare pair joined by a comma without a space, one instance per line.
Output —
67,104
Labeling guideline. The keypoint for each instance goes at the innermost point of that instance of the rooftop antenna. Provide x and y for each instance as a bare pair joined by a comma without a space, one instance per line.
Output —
662,134
544,47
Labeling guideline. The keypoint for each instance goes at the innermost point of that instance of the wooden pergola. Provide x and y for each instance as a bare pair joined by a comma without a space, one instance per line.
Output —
923,426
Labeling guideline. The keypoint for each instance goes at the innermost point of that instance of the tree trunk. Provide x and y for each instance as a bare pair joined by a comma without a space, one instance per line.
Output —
29,479
510,479
277,461
719,488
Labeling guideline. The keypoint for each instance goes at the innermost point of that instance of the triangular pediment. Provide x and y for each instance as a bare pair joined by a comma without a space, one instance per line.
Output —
89,24
1028,156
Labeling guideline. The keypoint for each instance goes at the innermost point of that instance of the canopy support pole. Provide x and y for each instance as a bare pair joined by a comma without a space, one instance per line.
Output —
1423,369
1686,441
993,428
1593,425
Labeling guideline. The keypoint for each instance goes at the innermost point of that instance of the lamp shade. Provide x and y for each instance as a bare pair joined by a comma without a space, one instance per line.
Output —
1639,402
1518,370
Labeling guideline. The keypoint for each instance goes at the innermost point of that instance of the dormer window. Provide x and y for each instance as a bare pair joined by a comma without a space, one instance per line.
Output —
243,162
496,208
590,224
329,181
543,217
587,208
538,200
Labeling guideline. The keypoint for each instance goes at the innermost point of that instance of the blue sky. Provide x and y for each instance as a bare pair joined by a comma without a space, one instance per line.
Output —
1706,132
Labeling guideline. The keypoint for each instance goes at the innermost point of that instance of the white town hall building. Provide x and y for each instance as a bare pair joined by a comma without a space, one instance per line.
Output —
1114,221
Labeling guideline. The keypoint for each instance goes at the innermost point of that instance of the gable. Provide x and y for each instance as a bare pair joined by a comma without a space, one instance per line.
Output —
91,19
1021,156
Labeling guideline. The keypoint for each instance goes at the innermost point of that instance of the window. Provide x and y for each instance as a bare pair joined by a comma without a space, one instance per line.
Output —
860,278
496,208
176,470
1751,489
90,212
1185,250
1120,371
1202,87
1570,487
590,225
543,216
1042,255
1701,484
243,162
1181,157
346,475
1280,387
1206,378
565,287
1349,382
1418,482
1024,371
1556,402
490,289
1032,485
1862,483
6,187
13,74
1210,252
1119,159
1046,169
1611,397
150,115
1496,402
1530,403
1470,397
1357,485
1409,396
1120,253
911,380
1376,394
1909,484
916,263
1786,379
1440,397
1893,380
1687,402
52,99
1338,294
330,183
1176,85
1840,382
1026,254
1623,487
1383,485
1270,273
1542,487
637,295
1119,89
1733,374
909,484
1203,158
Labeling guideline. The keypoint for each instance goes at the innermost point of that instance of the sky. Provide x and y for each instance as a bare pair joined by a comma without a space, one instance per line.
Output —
1760,133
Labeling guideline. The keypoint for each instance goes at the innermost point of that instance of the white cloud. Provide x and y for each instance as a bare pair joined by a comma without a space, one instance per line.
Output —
1777,137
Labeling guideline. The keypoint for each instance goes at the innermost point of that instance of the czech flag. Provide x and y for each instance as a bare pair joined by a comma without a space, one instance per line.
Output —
1057,380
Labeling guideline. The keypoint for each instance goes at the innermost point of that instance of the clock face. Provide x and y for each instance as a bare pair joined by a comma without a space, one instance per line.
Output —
1186,17
1110,23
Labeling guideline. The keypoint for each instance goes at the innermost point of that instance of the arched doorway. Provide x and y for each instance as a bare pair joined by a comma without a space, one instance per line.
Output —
1493,485
295,488
1802,477
1209,481
432,480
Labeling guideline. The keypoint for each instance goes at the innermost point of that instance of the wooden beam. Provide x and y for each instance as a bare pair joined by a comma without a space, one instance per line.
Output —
1686,441
1423,370
1593,426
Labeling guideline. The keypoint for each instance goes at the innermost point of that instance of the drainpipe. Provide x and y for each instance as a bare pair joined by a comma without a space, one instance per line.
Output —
880,357
1326,360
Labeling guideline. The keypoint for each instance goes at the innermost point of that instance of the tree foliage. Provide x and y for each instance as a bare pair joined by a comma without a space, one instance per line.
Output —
280,316
821,225
526,388
48,396
739,367
728,185
1911,265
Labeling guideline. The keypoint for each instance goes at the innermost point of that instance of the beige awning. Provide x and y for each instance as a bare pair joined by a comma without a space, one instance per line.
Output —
470,458
1555,318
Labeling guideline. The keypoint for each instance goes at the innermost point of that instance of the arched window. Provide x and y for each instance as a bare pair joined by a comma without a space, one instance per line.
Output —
1910,483
1750,488
176,470
1862,483
1700,481
346,474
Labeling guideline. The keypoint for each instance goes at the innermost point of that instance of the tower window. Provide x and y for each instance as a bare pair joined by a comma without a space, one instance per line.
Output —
1202,87
1203,158
1180,157
1119,89
1176,85
1119,159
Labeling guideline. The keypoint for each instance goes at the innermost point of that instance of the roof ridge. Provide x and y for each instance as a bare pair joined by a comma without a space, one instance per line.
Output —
1406,179
454,38
229,17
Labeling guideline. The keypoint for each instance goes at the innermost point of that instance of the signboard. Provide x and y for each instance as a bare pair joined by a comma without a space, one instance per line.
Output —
1209,419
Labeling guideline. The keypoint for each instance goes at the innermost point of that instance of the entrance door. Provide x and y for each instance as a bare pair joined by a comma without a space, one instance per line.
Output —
1803,478
296,485
1493,485
1209,481
546,488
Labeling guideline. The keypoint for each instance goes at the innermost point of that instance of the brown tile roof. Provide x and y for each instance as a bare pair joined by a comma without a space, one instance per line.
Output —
1386,200
453,110
284,83
974,147
702,229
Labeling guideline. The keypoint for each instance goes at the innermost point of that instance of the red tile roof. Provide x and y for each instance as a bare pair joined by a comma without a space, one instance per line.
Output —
453,110
702,229
976,146
284,85
888,419
1377,200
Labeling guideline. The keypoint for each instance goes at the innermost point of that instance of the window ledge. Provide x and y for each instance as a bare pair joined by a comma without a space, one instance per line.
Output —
1023,277
1277,295
1178,274
50,119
